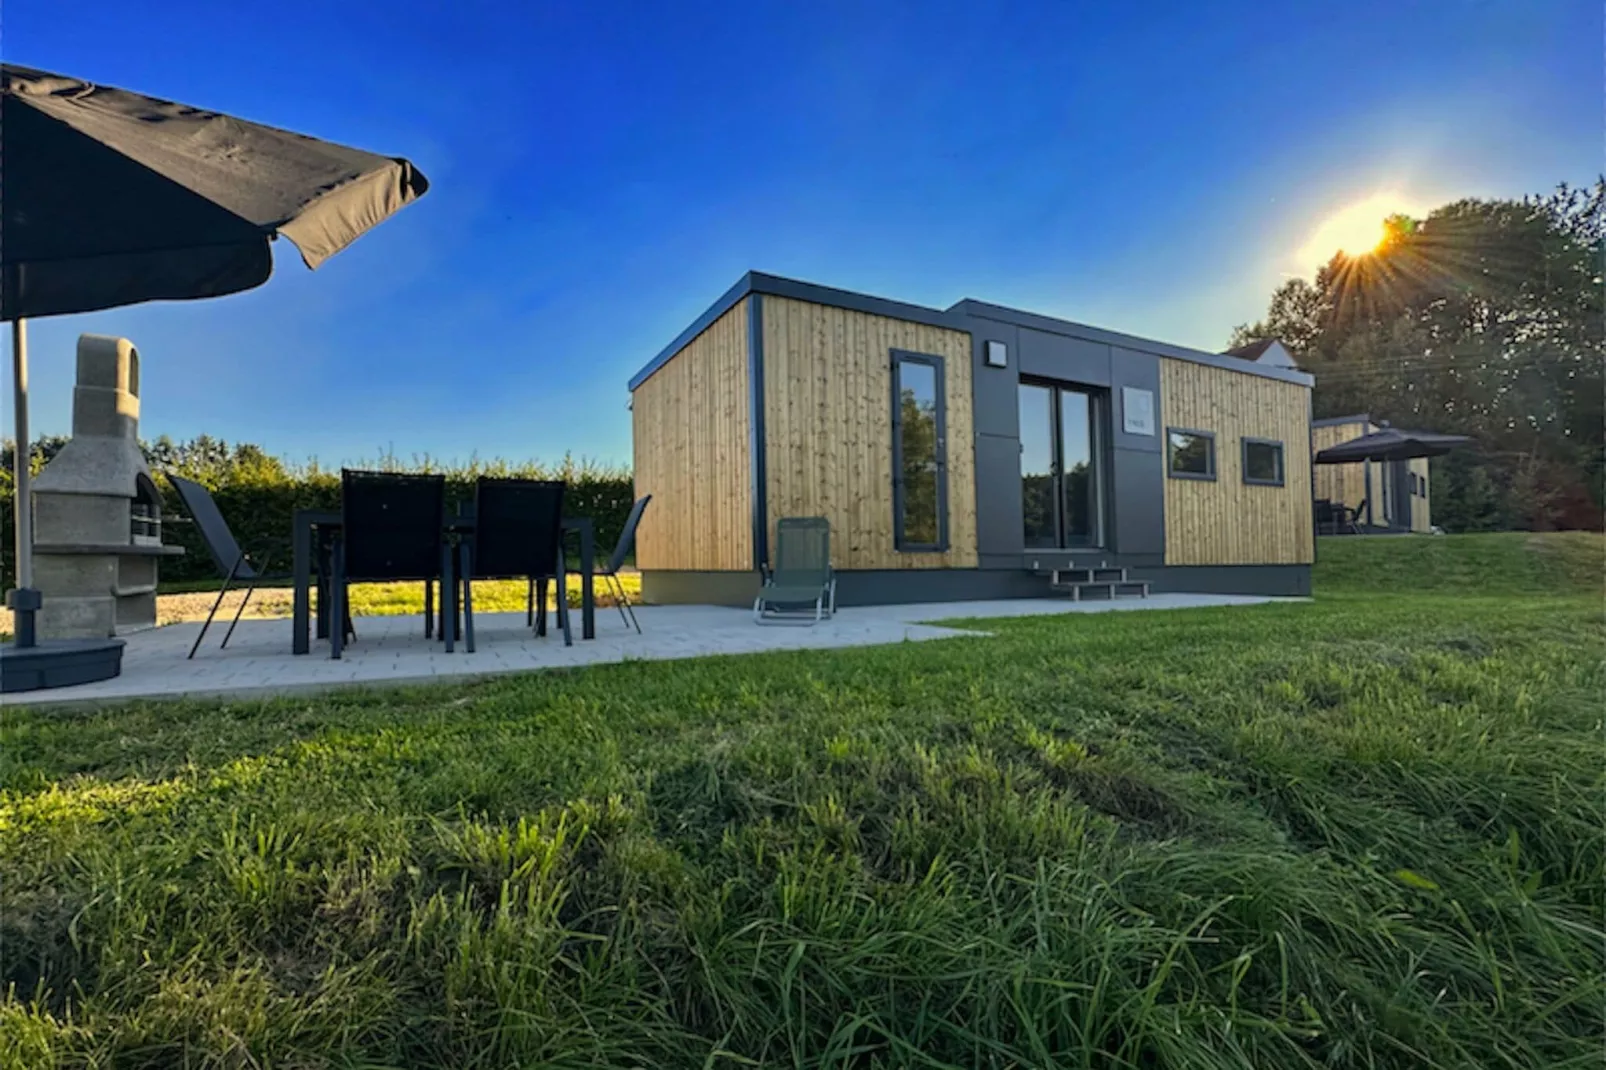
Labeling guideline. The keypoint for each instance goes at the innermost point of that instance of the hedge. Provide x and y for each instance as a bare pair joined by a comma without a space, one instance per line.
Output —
259,496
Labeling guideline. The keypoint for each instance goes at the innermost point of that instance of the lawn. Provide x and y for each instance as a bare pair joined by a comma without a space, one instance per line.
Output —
192,601
1363,832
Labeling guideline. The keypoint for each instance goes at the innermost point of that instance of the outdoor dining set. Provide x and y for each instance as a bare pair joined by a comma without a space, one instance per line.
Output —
395,527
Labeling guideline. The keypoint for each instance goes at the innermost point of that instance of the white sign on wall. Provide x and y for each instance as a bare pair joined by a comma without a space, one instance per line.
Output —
1137,411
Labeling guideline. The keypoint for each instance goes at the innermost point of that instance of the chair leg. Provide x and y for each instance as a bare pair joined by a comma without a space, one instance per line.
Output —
429,609
610,583
249,591
468,601
624,600
218,602
448,600
337,603
540,607
563,601
529,606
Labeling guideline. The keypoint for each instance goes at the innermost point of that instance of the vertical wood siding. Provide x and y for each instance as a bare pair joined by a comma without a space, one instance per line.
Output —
1421,514
828,429
1344,483
692,453
1229,522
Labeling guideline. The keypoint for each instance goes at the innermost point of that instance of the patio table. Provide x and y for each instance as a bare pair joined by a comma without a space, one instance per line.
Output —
314,526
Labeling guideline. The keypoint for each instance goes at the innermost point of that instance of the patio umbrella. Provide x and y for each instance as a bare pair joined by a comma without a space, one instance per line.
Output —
1391,444
110,198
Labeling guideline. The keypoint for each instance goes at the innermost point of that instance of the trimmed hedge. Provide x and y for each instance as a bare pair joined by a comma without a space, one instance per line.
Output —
259,496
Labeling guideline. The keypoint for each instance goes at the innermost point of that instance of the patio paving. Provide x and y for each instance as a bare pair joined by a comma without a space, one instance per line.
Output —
392,650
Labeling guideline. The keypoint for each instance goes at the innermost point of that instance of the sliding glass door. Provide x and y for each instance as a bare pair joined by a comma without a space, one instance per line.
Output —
1061,466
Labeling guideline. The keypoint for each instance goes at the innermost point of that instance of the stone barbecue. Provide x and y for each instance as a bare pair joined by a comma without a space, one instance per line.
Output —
97,527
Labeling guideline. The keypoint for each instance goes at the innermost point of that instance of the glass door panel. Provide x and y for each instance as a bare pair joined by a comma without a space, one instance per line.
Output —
1039,493
1061,467
1077,465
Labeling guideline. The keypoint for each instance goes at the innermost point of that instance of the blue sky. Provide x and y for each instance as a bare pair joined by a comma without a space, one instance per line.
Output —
601,173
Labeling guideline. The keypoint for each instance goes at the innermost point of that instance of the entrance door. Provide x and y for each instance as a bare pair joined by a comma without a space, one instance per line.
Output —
1062,486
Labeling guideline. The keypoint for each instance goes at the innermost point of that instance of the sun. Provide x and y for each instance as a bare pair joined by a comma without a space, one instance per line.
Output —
1353,230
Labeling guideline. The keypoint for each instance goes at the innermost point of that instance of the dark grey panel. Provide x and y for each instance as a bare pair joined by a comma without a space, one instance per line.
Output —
996,404
1138,502
1333,421
1134,368
998,501
1289,581
983,310
902,586
999,561
676,588
1062,357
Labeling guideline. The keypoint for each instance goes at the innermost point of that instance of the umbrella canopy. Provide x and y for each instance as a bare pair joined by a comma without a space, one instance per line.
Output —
1391,444
110,198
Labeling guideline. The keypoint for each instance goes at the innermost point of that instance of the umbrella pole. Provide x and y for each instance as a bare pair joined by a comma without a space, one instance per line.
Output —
24,600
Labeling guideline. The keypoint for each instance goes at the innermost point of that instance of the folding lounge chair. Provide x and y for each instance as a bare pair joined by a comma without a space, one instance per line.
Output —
801,588
237,566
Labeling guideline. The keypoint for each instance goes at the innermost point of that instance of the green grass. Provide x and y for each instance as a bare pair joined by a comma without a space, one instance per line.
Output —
1364,832
1500,563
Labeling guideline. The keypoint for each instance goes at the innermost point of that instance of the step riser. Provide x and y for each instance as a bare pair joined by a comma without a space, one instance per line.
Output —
1103,591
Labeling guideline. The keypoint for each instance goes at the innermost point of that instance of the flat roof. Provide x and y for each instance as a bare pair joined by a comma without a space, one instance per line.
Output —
1334,421
957,317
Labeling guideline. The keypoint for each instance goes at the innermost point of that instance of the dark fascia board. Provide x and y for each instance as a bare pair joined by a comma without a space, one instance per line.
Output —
856,302
760,283
956,317
983,310
726,302
1335,421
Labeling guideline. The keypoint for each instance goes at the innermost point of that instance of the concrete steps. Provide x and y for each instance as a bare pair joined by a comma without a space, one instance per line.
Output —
1088,584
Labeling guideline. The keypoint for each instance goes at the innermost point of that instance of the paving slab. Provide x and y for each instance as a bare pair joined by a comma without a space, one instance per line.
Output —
393,650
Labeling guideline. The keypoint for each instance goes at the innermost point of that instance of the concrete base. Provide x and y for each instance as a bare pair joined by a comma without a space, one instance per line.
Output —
393,650
869,587
59,663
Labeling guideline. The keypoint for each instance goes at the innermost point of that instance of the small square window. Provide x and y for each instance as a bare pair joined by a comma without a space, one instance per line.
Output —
1263,462
997,355
1190,454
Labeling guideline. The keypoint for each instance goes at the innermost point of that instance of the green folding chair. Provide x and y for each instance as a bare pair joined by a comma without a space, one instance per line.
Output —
801,588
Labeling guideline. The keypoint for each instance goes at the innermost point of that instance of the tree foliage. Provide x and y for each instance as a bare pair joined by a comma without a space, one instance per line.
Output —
1485,318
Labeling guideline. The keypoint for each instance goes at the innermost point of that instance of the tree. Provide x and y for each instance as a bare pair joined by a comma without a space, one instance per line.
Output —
1484,318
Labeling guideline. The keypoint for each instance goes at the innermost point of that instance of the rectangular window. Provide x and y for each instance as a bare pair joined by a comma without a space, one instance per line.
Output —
919,458
1190,454
1263,462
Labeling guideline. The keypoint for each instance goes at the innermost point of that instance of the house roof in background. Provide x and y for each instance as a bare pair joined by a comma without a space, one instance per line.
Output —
1253,350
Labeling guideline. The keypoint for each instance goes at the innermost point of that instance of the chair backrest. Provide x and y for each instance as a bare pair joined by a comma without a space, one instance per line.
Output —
802,551
628,535
392,524
518,527
1325,513
220,541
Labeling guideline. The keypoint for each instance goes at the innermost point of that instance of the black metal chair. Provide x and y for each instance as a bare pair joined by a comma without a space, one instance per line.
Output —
392,527
236,565
518,533
610,571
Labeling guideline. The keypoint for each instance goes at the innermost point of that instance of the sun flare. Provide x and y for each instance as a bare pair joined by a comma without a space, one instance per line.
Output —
1353,230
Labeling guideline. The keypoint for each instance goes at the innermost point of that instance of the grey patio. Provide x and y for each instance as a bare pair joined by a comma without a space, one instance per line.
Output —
392,650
